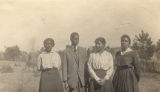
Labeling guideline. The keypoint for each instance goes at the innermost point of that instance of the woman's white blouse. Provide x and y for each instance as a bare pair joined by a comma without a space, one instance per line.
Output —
49,60
100,61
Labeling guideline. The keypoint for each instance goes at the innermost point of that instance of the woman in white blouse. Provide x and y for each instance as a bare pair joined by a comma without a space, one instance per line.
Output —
49,63
100,67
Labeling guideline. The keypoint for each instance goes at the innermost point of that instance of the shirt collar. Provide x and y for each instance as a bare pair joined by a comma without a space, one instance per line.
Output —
127,50
52,51
75,47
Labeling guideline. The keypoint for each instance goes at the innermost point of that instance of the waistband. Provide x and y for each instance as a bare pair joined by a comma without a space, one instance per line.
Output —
49,69
122,67
99,70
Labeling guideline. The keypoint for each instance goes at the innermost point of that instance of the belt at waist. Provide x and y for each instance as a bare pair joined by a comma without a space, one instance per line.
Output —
100,70
49,69
122,67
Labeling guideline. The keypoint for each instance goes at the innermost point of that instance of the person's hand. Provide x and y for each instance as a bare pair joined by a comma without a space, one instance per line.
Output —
98,81
66,85
101,82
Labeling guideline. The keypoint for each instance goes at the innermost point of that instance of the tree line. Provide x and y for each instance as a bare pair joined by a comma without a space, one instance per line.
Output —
142,43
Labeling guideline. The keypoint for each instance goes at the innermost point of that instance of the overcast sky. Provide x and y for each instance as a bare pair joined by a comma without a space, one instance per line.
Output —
27,23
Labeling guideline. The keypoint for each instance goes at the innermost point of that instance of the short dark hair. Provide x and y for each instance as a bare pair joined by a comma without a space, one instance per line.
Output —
101,39
49,39
72,34
126,36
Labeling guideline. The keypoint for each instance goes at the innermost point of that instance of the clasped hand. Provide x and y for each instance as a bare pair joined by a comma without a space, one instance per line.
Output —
101,82
66,86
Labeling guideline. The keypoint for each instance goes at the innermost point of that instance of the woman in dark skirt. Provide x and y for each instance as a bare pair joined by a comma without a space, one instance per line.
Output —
127,73
49,63
100,67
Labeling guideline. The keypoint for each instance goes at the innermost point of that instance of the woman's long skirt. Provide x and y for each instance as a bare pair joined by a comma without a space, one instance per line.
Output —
50,81
95,87
125,81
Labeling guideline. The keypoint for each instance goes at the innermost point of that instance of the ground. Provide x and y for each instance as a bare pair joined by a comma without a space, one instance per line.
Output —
20,80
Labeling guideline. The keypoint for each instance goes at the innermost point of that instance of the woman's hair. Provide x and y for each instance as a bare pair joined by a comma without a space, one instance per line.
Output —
49,39
126,36
101,39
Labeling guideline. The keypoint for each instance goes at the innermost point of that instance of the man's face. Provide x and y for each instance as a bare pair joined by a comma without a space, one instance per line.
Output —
75,40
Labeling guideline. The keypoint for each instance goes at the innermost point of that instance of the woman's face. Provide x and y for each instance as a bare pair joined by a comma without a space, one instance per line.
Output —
99,46
124,43
48,45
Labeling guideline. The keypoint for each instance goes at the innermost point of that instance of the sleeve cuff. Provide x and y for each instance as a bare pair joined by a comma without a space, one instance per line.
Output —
97,78
106,77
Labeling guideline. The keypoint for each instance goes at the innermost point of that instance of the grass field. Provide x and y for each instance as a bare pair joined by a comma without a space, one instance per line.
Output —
20,80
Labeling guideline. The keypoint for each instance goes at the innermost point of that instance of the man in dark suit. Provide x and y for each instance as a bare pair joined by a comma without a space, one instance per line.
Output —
74,65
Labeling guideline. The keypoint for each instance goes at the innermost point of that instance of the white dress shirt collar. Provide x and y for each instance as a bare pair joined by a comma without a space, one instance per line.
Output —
52,51
127,50
75,47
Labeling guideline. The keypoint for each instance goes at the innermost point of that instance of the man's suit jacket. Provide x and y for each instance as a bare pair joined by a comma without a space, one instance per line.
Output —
74,66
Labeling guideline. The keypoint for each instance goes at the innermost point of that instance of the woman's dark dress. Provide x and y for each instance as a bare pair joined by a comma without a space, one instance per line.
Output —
127,74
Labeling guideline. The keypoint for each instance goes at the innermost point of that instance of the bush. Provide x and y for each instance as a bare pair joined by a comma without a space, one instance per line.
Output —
149,66
12,53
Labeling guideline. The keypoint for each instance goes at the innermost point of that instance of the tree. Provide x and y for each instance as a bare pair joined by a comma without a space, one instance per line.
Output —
156,56
144,46
158,46
12,53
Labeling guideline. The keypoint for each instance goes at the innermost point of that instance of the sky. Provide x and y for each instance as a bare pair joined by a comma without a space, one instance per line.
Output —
27,23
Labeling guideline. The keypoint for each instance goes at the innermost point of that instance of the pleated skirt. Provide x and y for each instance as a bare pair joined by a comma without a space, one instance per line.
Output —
125,81
50,81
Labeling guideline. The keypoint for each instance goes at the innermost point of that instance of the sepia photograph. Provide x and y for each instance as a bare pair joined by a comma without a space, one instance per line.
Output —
79,46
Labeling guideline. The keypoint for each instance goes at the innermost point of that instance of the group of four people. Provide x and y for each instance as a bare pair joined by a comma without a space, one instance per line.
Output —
89,72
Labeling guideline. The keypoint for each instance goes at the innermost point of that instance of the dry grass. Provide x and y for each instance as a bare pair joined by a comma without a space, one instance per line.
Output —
150,82
23,81
6,69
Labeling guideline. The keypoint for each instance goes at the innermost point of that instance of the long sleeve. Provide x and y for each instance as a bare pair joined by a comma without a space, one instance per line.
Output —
110,68
86,73
90,69
136,66
58,61
39,63
64,66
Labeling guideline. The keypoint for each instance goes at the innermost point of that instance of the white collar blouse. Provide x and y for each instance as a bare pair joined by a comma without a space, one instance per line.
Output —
49,60
124,52
100,61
